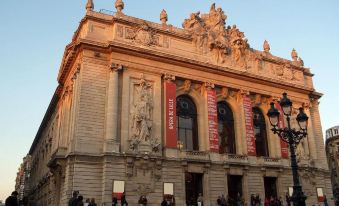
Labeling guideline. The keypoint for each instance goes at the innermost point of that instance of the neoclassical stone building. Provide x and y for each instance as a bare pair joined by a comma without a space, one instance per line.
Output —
332,152
151,109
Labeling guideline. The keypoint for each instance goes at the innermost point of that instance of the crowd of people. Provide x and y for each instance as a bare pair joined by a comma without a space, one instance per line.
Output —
229,201
78,200
169,200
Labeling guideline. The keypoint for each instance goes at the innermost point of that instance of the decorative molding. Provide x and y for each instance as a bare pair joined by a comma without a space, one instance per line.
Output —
116,67
168,77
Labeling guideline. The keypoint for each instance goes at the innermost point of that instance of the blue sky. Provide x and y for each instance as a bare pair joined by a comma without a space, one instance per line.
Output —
33,35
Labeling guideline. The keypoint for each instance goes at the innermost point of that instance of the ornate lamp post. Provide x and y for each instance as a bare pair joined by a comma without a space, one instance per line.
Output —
292,137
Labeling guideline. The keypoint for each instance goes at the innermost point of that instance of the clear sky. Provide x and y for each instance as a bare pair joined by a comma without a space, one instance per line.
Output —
33,35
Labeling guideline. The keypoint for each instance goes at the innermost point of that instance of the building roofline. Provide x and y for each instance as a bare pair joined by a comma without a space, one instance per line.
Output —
51,107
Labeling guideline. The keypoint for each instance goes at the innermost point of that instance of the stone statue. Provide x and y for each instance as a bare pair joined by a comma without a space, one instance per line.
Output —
266,46
300,152
294,55
163,16
301,61
195,26
142,120
119,5
209,34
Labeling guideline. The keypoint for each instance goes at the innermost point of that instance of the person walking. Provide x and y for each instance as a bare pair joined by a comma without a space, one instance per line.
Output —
123,200
12,200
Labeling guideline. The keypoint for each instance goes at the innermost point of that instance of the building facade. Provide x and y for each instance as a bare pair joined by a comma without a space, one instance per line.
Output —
151,109
332,152
21,181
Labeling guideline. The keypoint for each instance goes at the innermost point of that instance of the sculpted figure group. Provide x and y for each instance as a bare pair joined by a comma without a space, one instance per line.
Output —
208,31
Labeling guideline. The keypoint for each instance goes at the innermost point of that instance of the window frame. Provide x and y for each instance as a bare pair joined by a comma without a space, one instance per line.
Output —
229,122
187,113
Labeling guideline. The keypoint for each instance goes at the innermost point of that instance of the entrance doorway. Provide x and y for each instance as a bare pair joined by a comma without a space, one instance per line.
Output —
270,187
234,185
193,185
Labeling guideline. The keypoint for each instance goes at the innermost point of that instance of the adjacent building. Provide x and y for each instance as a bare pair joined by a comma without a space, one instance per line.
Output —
332,151
21,181
151,109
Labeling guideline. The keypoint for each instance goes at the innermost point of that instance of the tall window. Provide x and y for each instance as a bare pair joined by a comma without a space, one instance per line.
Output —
226,129
187,123
260,132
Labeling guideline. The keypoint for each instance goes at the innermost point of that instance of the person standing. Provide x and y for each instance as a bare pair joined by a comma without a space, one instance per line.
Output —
92,202
288,199
223,200
114,201
74,200
200,200
12,200
123,200
80,201
337,201
325,201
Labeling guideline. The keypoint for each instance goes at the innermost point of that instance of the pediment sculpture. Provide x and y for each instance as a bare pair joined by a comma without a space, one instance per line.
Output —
209,33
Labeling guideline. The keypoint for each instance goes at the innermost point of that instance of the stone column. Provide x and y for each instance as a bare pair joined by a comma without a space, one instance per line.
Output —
111,138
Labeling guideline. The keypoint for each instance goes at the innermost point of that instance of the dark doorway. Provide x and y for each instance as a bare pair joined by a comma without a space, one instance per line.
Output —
193,185
270,187
234,184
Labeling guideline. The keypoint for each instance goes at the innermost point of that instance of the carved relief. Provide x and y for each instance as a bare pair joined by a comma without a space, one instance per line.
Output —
169,77
256,99
143,35
187,86
120,31
224,92
165,42
141,139
142,112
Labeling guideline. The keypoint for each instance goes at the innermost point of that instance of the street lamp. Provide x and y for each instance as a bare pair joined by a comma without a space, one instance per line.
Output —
292,137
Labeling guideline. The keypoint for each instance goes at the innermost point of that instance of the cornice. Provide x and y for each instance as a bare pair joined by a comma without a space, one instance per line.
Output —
51,108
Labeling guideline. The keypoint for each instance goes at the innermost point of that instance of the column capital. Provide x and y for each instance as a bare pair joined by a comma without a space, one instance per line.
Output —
116,67
169,77
209,85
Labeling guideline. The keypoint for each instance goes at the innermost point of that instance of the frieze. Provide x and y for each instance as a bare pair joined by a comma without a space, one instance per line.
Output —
211,39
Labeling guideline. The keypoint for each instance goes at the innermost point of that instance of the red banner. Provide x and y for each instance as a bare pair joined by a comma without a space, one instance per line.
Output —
212,120
171,121
281,124
250,140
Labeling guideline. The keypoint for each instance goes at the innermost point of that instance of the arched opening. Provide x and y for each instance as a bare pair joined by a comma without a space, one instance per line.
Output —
187,130
260,132
226,129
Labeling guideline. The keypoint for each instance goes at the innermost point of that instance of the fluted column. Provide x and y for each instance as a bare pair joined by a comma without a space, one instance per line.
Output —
111,137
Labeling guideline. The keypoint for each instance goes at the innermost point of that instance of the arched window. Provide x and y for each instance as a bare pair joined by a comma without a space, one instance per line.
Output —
226,129
260,132
187,123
